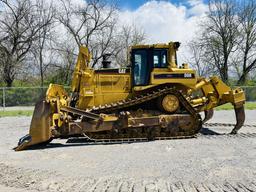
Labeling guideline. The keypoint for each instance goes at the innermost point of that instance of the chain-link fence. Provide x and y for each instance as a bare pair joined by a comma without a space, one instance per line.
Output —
250,92
21,96
28,96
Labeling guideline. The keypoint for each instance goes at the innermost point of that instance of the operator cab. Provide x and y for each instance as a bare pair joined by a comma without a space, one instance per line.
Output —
146,58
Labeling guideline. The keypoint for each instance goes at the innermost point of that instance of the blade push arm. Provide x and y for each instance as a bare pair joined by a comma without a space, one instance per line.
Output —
216,93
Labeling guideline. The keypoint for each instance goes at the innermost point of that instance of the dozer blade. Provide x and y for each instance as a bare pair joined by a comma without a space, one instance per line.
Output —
208,115
40,127
240,117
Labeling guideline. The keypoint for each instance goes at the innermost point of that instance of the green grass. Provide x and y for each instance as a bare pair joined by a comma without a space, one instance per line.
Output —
228,106
16,113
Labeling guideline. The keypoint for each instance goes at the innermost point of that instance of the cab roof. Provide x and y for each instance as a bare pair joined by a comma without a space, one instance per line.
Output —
158,45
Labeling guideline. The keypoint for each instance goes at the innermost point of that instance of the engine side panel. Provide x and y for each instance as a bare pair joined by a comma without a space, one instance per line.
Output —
103,87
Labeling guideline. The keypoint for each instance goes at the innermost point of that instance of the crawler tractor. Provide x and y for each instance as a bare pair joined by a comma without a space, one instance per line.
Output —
152,98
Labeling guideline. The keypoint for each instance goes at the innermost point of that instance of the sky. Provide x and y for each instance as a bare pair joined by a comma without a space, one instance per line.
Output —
164,21
134,4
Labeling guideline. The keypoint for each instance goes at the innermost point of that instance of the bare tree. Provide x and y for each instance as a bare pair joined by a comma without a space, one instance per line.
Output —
41,46
91,24
198,59
2,58
129,35
229,37
247,45
18,30
220,34
64,65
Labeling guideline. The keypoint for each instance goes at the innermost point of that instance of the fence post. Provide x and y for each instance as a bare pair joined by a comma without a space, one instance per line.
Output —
3,98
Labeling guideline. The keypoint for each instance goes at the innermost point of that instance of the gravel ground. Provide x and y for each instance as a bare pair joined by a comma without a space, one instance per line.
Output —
207,163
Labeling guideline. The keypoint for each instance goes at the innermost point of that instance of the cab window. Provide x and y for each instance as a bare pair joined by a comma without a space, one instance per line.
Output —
160,58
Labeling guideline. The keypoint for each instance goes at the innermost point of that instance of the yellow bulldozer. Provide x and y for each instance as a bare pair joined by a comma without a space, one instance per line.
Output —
152,98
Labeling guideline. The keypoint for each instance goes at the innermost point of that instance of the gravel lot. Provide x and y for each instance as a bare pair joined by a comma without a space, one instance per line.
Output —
207,163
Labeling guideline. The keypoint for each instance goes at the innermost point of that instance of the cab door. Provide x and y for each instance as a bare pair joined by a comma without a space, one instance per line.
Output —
140,67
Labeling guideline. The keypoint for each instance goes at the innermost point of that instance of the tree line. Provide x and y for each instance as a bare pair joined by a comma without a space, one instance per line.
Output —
39,39
226,44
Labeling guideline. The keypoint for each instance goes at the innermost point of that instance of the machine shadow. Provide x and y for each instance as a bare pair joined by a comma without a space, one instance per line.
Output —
76,142
207,131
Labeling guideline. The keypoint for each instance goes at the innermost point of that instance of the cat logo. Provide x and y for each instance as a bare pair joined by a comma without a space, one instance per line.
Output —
121,70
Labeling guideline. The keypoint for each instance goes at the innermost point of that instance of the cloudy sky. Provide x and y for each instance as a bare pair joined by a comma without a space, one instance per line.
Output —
165,21
134,4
